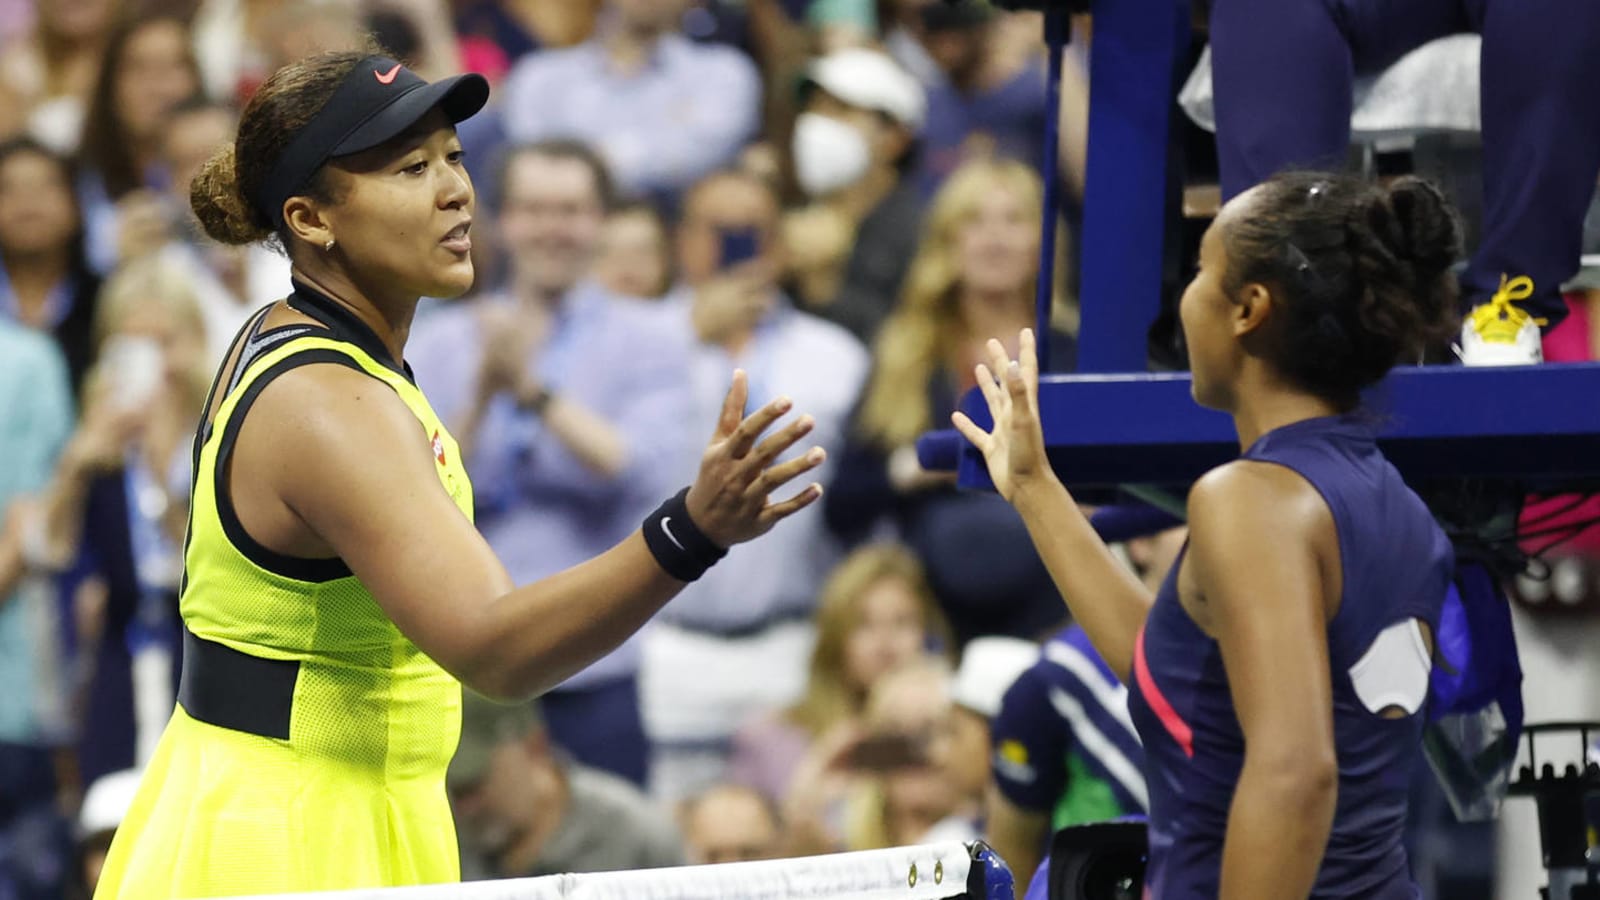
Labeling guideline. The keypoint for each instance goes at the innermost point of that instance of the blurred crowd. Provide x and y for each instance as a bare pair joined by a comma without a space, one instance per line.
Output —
839,197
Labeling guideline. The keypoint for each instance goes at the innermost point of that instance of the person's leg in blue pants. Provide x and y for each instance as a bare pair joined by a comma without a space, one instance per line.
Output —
1541,145
1282,72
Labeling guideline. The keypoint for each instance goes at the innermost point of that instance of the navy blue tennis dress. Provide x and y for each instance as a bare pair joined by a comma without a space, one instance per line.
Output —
1397,564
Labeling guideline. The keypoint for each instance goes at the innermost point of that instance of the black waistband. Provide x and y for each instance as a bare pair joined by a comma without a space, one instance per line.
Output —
229,689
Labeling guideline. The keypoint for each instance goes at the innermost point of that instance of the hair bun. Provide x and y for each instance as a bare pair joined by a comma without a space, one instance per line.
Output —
1430,232
220,205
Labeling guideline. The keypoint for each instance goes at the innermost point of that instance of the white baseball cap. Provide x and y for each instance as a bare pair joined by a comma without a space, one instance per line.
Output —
870,79
106,802
989,666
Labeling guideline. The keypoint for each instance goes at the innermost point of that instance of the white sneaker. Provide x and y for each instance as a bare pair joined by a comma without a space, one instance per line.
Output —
1498,333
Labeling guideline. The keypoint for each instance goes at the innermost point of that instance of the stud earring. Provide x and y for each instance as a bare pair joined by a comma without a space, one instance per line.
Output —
329,245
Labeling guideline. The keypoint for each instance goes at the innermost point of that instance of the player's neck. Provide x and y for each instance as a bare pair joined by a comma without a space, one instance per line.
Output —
1265,407
389,317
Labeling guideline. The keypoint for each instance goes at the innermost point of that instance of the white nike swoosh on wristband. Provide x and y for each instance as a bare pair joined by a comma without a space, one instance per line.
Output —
665,521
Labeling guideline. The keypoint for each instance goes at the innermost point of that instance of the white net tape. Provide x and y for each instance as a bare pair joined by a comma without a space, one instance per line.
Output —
928,872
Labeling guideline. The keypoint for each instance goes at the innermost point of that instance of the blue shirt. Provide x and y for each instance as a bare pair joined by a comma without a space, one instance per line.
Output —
35,421
821,367
685,113
539,507
1064,744
1396,565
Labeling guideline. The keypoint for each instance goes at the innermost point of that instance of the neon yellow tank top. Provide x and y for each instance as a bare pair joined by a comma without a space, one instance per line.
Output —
365,697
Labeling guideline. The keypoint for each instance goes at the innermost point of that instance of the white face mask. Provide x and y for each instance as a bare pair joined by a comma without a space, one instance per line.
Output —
828,154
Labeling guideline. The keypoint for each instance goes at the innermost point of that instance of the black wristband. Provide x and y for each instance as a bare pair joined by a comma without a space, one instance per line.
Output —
678,545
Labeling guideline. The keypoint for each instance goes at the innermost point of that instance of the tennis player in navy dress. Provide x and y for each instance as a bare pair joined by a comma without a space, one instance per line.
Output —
1278,677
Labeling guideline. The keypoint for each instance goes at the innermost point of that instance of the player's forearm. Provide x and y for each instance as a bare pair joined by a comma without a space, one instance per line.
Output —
537,636
1105,598
1277,830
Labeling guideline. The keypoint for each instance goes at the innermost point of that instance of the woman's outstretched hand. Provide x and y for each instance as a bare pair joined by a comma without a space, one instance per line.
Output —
1014,450
729,500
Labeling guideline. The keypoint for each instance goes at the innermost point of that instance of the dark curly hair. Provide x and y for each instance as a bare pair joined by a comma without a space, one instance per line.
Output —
1362,270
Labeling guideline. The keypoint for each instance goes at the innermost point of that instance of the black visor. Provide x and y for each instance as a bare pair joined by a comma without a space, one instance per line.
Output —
377,101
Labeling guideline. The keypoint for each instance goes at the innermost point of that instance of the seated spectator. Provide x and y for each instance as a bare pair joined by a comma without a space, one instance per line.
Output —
569,404
730,823
972,279
47,73
105,805
118,505
734,643
635,257
35,421
990,100
662,110
853,143
230,282
45,281
526,809
908,790
875,614
149,68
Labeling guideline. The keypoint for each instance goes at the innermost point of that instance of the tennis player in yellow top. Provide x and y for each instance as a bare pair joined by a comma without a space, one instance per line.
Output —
336,593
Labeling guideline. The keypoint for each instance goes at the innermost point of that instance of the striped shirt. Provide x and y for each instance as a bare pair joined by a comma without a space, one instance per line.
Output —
1063,741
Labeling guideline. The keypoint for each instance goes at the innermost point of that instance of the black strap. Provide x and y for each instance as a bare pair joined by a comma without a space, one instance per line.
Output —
345,325
296,567
223,687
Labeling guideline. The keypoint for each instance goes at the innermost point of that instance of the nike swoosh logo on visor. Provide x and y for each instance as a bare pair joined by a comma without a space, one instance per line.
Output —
386,77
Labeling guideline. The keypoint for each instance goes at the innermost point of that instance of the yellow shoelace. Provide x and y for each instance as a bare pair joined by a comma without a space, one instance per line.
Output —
1499,321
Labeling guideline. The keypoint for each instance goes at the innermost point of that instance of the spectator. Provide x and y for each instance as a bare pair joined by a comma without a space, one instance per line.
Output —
45,281
730,823
239,42
149,68
230,282
566,401
991,100
907,791
853,143
119,505
47,75
875,614
972,279
662,110
527,810
1065,750
734,643
35,420
635,257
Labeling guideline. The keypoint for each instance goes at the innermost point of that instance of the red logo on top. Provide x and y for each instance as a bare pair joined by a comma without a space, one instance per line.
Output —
386,77
438,448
